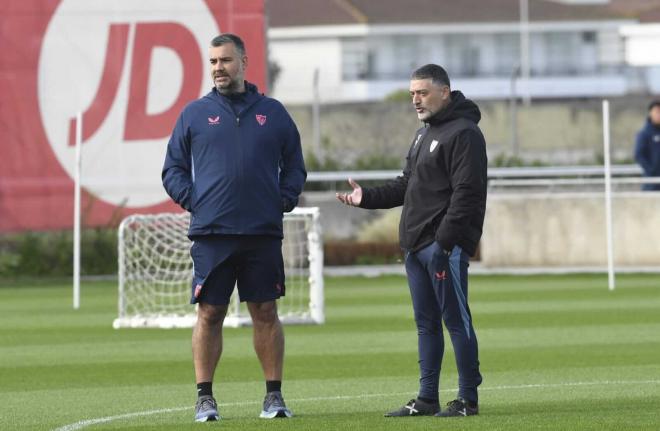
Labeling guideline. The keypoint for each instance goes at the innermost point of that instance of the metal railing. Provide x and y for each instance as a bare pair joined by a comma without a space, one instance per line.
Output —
546,172
548,177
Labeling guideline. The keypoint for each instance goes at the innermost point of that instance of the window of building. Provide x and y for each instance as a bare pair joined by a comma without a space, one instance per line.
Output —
406,55
463,55
356,63
561,53
589,37
507,53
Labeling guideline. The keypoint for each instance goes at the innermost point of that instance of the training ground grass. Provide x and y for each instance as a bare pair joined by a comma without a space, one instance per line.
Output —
557,353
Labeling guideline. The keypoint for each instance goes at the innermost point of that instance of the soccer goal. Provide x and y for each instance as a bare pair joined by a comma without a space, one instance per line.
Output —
155,272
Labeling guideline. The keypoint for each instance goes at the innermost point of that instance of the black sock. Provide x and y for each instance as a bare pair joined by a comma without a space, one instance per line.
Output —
204,388
273,386
427,400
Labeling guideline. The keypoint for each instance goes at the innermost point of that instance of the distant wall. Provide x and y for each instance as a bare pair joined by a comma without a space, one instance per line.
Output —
551,132
569,230
529,230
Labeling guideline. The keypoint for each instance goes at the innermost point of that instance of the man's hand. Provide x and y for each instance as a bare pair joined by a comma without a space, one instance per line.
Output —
354,198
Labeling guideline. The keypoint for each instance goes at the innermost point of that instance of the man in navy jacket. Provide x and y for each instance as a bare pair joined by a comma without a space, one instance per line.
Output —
234,161
443,193
647,147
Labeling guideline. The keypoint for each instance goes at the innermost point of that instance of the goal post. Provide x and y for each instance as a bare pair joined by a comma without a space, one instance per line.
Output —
155,272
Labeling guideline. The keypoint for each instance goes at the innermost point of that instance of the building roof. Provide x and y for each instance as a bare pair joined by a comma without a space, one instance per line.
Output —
647,11
293,13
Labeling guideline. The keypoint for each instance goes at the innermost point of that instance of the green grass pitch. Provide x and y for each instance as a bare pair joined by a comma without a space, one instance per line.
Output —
557,353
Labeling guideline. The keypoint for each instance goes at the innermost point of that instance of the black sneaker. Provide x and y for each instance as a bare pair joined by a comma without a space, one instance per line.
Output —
459,407
206,409
416,408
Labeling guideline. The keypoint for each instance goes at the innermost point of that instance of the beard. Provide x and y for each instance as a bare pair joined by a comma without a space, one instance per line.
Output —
232,87
424,116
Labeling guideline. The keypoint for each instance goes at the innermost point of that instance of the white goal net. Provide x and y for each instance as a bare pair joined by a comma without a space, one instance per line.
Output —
155,272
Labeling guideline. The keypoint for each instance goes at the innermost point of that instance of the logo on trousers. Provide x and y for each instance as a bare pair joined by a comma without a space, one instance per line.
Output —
441,275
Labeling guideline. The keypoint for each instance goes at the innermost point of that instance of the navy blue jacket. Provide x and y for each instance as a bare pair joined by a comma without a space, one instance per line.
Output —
647,152
235,172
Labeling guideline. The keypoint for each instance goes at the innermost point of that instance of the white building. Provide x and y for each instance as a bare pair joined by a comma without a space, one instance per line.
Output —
366,49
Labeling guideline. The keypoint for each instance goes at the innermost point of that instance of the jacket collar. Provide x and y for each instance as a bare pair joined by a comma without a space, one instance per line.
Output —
251,96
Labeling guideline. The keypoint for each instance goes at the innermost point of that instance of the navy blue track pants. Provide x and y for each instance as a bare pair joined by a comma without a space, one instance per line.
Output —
439,290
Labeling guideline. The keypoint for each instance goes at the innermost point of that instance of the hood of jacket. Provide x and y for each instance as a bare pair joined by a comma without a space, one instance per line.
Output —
459,107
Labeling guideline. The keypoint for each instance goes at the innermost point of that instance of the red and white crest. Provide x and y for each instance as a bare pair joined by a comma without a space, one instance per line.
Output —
261,119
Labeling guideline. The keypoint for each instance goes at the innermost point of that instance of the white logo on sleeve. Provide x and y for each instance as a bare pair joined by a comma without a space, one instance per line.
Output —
434,144
656,138
417,140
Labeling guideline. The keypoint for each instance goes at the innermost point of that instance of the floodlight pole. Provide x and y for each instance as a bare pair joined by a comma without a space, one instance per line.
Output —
525,67
513,112
608,195
316,119
76,215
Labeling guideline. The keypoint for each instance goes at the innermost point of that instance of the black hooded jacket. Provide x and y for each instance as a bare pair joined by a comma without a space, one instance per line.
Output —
443,186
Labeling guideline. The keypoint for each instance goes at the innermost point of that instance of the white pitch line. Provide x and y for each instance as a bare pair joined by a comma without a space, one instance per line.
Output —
88,422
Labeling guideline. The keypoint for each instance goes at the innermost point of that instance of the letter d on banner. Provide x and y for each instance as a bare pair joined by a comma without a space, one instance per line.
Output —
139,123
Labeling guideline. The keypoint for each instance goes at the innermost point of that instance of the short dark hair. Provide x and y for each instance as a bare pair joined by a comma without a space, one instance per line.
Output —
654,104
436,73
229,38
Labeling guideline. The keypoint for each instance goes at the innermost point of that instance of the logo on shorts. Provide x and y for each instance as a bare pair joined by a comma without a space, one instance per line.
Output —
261,119
198,290
441,275
214,120
278,287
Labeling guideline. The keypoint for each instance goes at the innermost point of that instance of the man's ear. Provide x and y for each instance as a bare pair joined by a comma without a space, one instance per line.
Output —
447,93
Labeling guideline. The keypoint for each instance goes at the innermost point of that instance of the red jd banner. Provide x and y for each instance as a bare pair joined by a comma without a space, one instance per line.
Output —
129,67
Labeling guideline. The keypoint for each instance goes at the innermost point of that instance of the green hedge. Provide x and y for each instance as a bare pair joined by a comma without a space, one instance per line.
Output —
51,253
337,253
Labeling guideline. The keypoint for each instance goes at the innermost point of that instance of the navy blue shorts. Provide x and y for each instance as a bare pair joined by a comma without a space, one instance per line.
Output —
252,262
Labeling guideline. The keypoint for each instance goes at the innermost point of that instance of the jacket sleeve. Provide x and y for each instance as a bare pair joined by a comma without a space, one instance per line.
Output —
641,152
468,174
177,172
390,194
292,168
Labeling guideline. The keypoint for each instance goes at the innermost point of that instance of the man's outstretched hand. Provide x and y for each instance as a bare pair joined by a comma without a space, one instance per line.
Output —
354,198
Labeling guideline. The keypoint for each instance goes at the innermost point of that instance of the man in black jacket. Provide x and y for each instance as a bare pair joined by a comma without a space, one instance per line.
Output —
443,193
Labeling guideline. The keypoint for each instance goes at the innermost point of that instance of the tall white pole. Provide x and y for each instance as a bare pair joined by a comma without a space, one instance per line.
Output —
608,194
315,244
76,215
316,119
